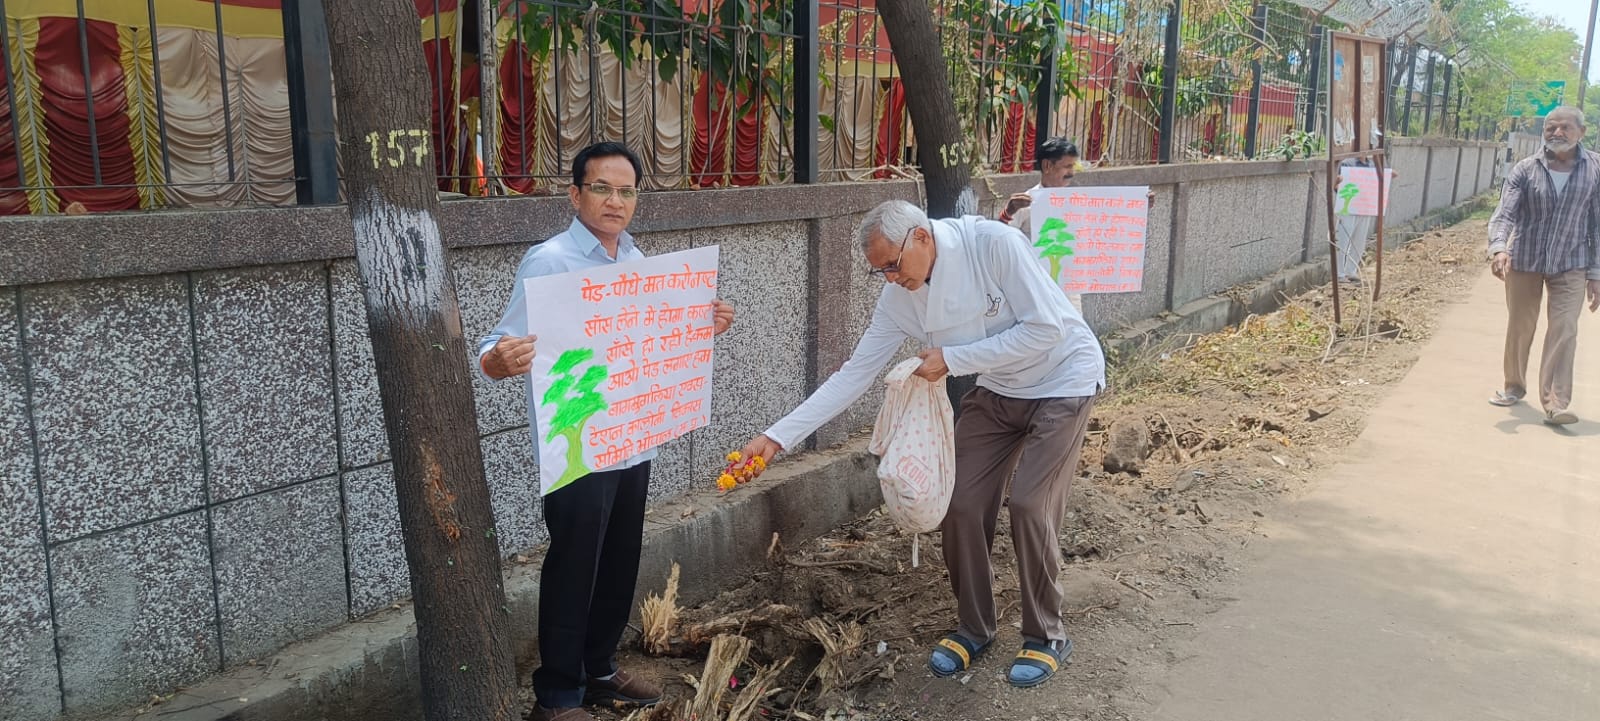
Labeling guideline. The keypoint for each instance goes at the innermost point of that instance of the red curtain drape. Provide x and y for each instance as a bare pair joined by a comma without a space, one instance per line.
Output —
1015,157
439,55
891,129
714,108
12,202
519,117
66,114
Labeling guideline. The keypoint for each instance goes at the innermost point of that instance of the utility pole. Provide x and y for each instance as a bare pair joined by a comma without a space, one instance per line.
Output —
1588,50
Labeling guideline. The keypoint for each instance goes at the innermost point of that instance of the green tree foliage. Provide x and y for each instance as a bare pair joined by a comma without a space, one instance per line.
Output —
740,44
999,45
1497,43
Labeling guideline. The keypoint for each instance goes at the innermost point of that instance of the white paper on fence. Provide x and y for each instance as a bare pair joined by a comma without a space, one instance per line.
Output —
627,350
1091,239
915,441
1357,193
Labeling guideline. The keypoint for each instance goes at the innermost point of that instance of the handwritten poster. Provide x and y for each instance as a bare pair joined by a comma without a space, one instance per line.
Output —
623,362
1358,191
1091,240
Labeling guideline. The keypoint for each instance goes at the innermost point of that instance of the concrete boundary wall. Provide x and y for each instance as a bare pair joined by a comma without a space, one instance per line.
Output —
192,455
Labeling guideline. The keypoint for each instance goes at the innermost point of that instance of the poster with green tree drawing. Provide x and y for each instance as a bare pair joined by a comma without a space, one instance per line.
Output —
623,361
1091,239
1357,193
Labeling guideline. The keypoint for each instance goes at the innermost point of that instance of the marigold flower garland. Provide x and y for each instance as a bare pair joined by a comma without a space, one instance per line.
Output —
740,470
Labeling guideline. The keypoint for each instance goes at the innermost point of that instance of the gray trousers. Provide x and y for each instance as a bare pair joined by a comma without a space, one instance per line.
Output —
1039,439
1524,292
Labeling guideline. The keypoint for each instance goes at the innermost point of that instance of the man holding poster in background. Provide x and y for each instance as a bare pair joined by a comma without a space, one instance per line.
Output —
1092,239
1356,207
1057,163
596,522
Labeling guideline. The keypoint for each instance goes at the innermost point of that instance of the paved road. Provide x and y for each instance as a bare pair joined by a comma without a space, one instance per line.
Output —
1449,570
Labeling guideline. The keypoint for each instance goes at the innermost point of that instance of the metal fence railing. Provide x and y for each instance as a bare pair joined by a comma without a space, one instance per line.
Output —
103,113
176,103
1213,84
1428,97
1115,113
863,127
996,55
703,91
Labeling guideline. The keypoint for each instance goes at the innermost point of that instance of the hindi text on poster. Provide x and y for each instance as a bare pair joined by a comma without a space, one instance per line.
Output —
624,360
1091,240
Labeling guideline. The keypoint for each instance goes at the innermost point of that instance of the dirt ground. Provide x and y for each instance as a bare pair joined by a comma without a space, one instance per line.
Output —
1201,445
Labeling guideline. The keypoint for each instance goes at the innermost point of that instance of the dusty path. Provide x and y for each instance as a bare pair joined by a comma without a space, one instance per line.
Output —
1448,569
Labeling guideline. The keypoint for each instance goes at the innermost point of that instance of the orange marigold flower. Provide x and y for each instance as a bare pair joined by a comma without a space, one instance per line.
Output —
726,482
735,457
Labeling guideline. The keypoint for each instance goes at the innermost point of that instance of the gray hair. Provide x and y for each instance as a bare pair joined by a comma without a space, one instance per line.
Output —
1576,114
891,221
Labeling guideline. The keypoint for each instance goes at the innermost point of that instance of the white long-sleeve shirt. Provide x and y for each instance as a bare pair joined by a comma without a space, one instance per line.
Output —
990,307
574,249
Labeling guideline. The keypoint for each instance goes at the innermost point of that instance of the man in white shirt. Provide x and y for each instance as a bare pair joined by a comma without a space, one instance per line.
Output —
596,523
971,290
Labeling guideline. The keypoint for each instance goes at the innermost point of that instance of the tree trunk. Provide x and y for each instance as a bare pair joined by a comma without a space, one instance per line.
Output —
445,517
941,147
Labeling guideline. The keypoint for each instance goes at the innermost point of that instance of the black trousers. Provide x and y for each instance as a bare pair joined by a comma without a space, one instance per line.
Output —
957,387
586,587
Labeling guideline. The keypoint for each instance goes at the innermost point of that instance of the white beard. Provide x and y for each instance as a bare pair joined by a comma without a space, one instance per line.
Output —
1559,147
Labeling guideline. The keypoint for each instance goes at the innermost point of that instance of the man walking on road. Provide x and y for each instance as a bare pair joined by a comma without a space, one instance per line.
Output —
973,292
596,523
1544,237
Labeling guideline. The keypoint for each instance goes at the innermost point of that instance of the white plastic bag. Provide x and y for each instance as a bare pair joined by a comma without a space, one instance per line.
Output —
915,441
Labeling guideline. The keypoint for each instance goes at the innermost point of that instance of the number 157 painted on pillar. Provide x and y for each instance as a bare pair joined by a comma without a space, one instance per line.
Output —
398,145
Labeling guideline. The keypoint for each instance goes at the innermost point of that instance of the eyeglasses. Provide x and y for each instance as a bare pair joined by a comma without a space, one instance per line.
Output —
607,190
895,266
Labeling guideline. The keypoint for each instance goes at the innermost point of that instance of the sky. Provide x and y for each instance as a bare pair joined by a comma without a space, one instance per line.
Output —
1572,13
